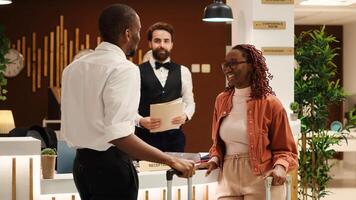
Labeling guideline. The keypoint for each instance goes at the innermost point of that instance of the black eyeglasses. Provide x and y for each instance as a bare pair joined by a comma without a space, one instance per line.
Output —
231,65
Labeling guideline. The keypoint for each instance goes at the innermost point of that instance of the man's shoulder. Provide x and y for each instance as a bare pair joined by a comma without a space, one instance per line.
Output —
147,63
183,68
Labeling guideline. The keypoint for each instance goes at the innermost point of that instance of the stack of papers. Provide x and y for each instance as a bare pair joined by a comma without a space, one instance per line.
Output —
166,112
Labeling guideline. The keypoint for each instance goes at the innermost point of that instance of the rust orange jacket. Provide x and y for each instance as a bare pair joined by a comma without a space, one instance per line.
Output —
270,137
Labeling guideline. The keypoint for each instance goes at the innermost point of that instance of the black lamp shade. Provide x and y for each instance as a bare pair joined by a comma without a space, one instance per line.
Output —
218,12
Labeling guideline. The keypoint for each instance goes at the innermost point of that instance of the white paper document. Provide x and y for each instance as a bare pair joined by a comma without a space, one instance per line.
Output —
166,112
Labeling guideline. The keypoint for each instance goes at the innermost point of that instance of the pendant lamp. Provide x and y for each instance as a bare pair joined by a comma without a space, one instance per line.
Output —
5,2
218,12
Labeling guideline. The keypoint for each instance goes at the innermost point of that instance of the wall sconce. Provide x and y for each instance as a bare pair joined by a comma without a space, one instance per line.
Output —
218,12
6,121
5,2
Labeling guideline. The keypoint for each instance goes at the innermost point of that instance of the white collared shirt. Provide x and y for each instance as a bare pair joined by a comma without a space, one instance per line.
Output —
100,98
187,85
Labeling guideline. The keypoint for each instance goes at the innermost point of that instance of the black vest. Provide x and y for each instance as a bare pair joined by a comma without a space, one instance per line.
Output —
152,91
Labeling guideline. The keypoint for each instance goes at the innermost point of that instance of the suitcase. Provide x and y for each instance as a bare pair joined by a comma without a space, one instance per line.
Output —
268,184
169,175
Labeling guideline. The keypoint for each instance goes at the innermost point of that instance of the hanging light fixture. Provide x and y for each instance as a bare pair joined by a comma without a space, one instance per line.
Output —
218,12
5,2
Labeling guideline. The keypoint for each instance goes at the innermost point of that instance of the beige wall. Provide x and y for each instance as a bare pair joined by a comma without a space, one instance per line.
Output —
350,64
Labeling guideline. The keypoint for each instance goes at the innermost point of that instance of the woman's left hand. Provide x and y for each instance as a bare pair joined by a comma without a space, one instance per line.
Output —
278,173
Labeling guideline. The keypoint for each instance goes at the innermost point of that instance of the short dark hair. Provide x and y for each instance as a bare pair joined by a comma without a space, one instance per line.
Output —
114,20
160,26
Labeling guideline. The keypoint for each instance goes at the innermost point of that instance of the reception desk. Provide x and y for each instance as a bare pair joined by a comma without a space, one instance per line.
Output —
20,177
152,186
19,168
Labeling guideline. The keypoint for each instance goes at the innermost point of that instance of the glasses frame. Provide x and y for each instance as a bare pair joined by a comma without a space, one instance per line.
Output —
231,65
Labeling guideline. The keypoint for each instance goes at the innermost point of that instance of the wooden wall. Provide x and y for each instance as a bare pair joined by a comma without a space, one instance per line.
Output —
195,42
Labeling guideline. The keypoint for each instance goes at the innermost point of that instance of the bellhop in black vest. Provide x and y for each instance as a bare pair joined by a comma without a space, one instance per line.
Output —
153,92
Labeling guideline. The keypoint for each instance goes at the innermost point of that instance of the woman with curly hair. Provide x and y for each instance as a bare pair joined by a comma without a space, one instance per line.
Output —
251,135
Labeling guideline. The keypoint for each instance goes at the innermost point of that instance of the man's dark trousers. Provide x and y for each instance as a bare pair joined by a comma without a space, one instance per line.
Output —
105,175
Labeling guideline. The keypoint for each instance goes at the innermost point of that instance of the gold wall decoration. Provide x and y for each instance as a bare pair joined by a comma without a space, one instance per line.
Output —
57,49
45,56
51,60
277,1
272,25
277,50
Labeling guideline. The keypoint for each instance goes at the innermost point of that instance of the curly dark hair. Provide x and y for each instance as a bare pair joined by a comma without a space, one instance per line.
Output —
260,75
160,26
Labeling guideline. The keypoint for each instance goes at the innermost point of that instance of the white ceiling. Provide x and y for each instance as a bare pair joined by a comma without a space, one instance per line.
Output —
331,15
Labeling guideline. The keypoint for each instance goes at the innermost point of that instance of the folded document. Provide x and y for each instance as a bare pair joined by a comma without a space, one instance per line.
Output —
166,112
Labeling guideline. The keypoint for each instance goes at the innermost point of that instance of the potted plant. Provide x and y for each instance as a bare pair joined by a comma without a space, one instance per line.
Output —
294,106
48,162
4,48
316,88
350,119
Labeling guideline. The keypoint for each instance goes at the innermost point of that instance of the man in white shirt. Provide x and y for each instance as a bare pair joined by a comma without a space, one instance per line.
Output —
162,81
100,98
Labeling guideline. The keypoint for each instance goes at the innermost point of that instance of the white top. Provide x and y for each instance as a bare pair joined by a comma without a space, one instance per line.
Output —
187,85
100,98
233,129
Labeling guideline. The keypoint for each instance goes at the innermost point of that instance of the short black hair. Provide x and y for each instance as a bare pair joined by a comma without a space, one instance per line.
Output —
160,26
114,20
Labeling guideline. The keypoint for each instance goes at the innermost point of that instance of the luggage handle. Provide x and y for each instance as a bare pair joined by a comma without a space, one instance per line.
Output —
268,184
169,176
170,173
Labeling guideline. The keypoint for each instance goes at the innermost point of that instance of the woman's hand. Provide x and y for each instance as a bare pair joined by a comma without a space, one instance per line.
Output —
210,166
278,173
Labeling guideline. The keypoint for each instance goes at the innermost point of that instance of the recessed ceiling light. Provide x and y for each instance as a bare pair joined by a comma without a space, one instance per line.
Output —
327,2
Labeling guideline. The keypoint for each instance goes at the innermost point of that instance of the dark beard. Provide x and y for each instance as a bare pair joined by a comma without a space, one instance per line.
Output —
159,55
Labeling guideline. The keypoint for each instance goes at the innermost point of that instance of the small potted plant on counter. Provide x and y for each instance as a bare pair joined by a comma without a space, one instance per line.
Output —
294,106
48,162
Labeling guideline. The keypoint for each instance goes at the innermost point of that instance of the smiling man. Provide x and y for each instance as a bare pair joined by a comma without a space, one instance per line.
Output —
162,81
100,98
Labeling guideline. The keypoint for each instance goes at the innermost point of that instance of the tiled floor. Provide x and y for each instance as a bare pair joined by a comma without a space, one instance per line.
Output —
343,185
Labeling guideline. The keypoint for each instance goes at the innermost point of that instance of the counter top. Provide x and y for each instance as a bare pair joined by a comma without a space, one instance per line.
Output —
63,183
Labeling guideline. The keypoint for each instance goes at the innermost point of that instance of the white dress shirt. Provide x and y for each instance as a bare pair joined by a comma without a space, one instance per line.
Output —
100,98
187,86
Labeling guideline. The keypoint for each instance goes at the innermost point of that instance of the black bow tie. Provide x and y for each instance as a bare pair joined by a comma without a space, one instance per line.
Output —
165,65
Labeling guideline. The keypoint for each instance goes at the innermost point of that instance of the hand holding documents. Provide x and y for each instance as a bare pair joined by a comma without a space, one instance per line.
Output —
166,112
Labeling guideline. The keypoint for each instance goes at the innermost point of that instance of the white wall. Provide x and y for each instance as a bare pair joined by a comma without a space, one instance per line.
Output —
281,66
349,51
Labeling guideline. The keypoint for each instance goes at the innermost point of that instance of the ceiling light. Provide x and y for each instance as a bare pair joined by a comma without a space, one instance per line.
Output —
327,2
5,2
218,12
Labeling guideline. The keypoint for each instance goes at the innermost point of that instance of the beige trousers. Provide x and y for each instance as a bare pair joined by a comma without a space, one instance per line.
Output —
237,182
